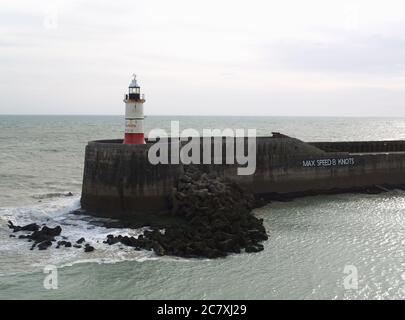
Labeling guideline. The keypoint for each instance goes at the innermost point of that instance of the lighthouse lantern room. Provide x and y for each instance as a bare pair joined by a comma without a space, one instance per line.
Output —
134,100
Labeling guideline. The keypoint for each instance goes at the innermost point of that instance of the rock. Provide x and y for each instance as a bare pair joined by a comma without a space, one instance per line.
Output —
44,245
41,237
56,231
69,194
81,240
88,248
158,249
217,220
46,234
257,235
227,245
256,248
29,227
64,243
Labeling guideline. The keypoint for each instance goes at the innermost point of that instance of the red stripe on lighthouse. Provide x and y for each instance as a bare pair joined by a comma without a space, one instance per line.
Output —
134,138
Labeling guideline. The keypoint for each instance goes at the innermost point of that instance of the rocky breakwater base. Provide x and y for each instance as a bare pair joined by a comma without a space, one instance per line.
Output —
213,217
208,217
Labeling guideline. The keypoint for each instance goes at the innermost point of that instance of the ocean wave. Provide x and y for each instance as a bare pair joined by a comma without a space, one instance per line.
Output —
50,150
52,195
59,212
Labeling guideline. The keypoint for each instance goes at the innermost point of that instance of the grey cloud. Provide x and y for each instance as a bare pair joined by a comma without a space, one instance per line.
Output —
356,54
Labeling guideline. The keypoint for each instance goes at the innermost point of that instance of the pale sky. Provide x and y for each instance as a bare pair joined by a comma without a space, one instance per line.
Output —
323,58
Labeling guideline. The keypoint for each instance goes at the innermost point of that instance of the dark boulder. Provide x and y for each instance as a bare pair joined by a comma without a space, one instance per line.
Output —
111,240
88,248
64,243
254,248
44,245
46,234
215,216
158,249
29,227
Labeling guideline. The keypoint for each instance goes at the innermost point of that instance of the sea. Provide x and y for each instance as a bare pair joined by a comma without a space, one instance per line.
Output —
347,246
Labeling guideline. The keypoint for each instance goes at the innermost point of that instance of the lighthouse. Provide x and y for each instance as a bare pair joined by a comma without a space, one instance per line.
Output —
134,114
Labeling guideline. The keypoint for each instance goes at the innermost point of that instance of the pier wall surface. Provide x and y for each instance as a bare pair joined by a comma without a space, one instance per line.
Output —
120,181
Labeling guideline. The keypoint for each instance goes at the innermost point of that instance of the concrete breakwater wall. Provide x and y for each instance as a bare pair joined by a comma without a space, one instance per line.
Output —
362,146
119,180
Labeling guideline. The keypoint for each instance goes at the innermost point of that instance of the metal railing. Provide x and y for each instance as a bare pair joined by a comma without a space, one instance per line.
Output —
135,96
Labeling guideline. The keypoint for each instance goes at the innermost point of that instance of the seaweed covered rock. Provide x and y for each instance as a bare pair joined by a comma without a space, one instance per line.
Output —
42,238
29,227
215,220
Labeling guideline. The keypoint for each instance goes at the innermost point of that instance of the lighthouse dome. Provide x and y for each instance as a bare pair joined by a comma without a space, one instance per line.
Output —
134,91
134,82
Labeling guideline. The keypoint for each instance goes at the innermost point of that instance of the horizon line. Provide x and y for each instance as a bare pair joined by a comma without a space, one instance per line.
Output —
201,115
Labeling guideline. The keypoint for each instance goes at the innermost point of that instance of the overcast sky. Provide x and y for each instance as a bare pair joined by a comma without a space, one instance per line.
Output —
338,58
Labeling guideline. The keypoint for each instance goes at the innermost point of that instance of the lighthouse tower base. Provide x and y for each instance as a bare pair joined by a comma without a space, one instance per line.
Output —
134,138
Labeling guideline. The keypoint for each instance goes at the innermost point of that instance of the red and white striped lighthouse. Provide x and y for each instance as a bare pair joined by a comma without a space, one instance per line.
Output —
134,114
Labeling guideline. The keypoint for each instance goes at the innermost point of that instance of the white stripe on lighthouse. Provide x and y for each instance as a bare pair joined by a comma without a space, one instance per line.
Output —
134,110
133,126
134,117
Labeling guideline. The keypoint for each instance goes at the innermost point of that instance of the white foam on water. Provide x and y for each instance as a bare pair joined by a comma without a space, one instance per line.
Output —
16,256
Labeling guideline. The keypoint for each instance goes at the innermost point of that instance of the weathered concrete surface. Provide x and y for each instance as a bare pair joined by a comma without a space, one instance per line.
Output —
361,146
119,181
